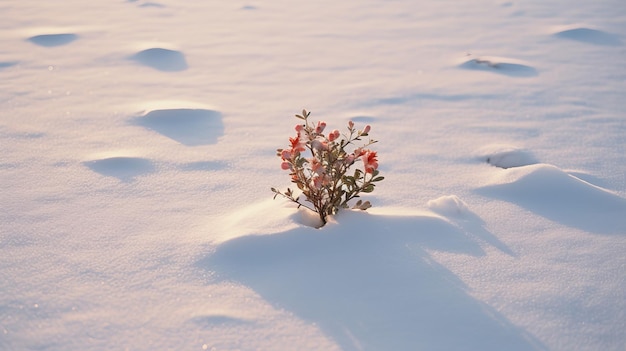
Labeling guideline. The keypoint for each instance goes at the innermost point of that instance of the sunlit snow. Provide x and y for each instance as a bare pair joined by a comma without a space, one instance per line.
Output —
139,146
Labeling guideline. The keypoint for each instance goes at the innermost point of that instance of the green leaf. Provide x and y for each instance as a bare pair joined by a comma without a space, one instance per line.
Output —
378,179
369,188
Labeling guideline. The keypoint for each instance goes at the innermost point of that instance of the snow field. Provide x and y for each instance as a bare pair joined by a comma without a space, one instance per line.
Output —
138,148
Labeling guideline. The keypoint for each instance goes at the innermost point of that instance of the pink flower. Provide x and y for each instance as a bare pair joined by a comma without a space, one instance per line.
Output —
317,166
320,127
370,162
285,155
366,129
285,165
333,135
319,181
299,128
350,125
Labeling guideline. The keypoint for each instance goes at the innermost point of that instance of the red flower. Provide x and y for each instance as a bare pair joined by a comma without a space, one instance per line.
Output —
370,162
296,144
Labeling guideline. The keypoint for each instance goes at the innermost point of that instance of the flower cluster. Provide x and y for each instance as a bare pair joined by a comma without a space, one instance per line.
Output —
319,163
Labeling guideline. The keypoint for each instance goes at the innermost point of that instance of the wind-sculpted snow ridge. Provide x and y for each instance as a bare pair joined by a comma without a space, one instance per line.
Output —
554,194
368,281
458,212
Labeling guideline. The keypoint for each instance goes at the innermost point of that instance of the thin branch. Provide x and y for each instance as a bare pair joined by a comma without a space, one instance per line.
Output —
277,192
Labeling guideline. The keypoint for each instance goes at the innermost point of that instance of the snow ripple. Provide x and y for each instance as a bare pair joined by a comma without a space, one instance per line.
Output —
6,64
122,167
589,36
50,40
161,59
506,156
191,127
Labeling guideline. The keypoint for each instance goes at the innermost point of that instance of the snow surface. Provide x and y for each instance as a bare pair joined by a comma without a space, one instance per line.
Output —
138,149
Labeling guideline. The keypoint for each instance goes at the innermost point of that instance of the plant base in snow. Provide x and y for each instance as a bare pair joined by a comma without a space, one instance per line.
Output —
320,166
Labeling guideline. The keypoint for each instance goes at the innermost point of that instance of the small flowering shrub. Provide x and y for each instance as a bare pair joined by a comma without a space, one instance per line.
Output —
320,166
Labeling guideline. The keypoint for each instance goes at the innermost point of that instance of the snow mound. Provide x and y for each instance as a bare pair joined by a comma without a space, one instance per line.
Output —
162,59
188,126
50,40
122,167
506,156
589,36
505,66
554,194
450,205
363,273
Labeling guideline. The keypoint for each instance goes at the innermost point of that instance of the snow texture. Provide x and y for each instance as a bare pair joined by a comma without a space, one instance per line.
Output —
138,147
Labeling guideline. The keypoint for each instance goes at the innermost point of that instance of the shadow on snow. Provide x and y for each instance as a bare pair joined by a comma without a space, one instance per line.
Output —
558,196
190,127
369,283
